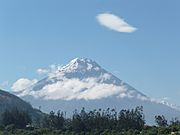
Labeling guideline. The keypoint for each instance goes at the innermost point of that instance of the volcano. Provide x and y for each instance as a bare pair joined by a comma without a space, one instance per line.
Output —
84,83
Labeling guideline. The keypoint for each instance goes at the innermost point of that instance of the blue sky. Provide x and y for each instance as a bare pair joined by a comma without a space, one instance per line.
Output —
35,34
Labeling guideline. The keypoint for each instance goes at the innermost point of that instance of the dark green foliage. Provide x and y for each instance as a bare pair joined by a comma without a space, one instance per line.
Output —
131,119
53,120
161,120
47,131
96,122
108,119
175,122
16,117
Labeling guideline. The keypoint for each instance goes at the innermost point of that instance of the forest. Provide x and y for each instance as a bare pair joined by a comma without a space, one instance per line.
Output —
94,122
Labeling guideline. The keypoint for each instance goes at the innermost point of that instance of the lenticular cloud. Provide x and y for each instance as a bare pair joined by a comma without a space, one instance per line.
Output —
115,23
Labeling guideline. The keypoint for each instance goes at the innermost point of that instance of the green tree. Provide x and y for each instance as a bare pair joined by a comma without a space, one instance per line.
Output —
53,120
161,120
131,119
17,117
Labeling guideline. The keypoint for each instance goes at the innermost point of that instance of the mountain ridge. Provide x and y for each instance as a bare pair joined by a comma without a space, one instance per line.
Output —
9,101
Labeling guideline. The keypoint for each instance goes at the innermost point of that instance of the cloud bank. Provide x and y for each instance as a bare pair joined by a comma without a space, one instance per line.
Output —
76,80
115,23
70,83
89,89
22,84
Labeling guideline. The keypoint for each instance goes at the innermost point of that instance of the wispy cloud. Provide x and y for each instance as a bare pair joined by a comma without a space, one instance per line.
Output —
22,84
42,71
115,23
51,69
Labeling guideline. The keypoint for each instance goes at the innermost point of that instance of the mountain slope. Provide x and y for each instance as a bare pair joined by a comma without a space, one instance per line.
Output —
83,83
9,101
81,79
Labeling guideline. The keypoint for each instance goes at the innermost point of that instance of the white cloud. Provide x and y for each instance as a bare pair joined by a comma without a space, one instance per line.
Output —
87,89
115,23
50,70
22,84
42,71
64,88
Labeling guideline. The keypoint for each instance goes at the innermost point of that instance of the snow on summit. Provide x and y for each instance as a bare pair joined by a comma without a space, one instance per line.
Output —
80,64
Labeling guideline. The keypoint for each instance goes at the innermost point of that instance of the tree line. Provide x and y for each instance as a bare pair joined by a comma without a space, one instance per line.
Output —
85,121
96,120
80,121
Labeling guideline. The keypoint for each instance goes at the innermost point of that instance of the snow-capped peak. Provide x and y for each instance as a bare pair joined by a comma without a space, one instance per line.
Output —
83,83
80,64
82,78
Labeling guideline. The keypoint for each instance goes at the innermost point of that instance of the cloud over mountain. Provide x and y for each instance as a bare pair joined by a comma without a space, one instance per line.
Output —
87,89
84,83
22,84
81,79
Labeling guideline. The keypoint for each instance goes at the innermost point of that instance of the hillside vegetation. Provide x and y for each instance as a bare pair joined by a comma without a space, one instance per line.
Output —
95,122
